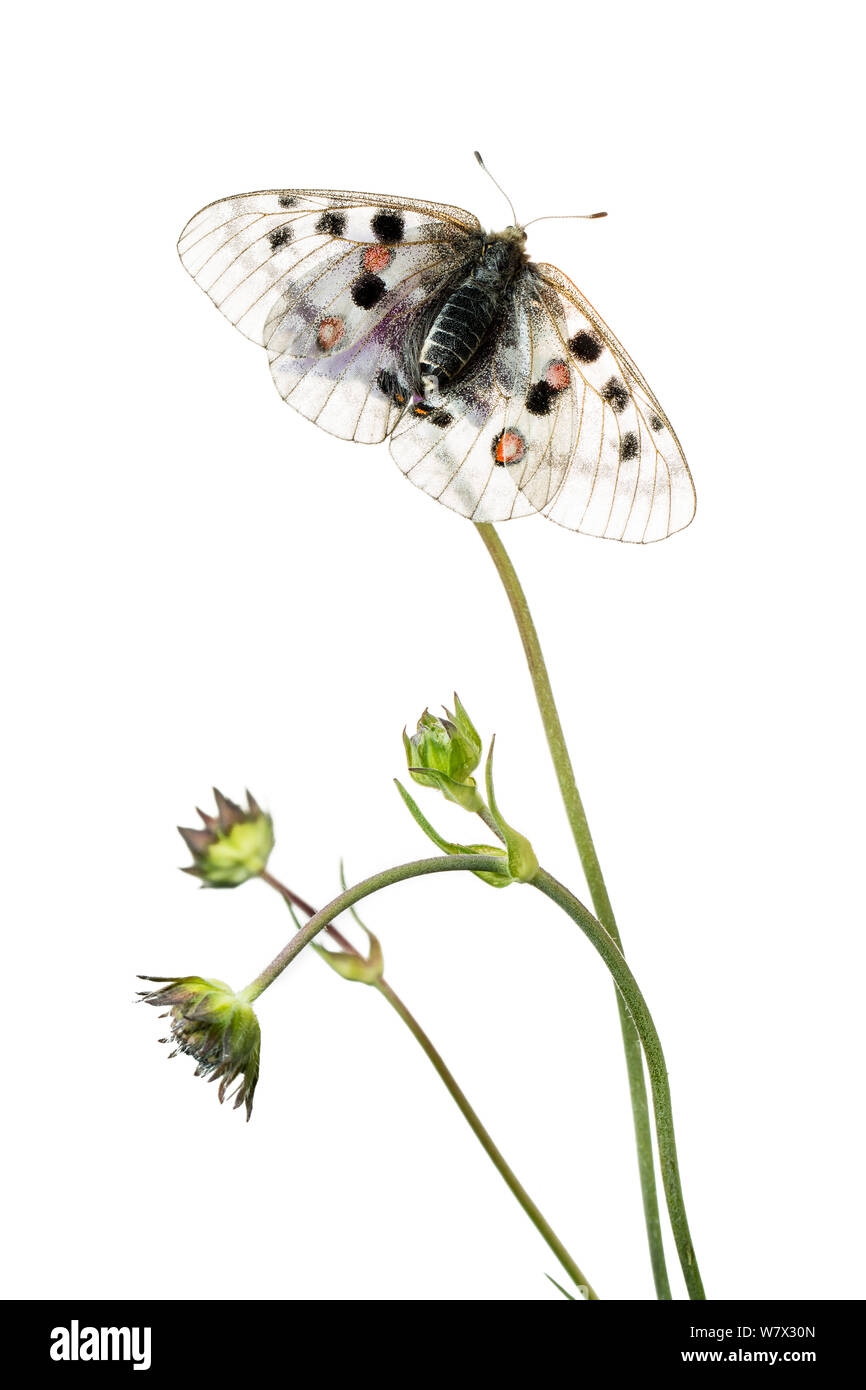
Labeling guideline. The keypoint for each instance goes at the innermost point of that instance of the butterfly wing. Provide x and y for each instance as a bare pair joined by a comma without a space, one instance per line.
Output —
555,419
479,452
627,478
330,284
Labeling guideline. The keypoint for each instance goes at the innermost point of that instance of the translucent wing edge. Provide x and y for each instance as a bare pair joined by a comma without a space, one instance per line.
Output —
467,221
558,281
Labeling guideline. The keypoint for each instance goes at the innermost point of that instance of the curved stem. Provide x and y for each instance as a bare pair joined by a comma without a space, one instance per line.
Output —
486,863
597,888
506,1173
636,1004
613,959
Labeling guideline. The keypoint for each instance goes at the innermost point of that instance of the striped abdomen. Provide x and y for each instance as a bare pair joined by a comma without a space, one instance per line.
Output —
457,332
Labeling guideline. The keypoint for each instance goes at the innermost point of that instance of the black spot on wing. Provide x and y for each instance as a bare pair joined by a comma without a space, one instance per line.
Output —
615,393
286,200
629,446
367,290
388,226
280,236
539,398
332,223
656,423
441,419
585,347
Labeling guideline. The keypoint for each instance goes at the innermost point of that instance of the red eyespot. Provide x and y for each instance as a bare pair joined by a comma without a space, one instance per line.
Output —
376,258
329,334
558,376
508,447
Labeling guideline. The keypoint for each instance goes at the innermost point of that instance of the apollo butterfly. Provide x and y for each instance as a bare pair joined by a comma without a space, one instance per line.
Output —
500,389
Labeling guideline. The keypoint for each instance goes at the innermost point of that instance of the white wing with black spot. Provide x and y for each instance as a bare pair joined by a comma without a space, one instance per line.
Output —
556,420
242,251
627,478
492,447
335,335
329,283
550,416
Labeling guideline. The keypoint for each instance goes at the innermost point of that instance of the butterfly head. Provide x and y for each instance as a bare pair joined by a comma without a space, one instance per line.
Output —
514,236
502,254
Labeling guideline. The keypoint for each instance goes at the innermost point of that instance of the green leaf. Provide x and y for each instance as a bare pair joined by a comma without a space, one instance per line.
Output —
522,861
363,970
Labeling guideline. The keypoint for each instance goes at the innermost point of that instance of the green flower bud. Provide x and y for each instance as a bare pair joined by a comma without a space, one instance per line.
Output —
216,1026
233,846
443,753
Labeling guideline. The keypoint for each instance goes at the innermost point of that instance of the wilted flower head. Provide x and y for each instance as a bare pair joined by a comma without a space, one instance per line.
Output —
234,844
443,753
216,1026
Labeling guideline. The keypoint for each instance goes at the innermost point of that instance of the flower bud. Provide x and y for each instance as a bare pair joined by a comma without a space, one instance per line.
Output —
233,846
216,1026
443,753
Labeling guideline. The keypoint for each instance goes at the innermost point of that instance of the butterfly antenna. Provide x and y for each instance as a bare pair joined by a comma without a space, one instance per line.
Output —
498,185
557,216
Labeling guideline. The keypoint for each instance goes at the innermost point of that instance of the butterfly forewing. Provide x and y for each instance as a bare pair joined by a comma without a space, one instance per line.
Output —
627,478
243,250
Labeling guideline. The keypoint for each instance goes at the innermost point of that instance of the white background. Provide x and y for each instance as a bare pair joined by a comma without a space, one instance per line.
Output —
201,588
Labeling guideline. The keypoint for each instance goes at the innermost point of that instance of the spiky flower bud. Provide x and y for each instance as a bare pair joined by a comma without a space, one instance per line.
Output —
443,753
233,846
213,1024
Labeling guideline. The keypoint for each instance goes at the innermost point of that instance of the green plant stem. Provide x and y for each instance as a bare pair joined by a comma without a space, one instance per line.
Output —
597,888
636,1004
487,1144
613,959
323,918
506,1173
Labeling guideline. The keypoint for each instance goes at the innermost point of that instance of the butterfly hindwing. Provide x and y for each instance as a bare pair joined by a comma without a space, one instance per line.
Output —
512,424
333,337
561,422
